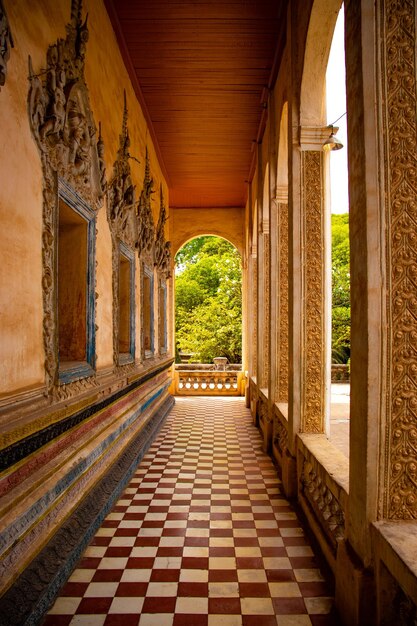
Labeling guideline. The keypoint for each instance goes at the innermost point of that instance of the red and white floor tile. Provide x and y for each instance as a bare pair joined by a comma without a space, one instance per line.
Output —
202,536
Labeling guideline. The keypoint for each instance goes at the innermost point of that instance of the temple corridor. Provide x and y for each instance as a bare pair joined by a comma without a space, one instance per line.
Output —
202,535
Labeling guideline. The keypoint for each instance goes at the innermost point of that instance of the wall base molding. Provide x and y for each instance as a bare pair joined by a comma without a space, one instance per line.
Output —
29,598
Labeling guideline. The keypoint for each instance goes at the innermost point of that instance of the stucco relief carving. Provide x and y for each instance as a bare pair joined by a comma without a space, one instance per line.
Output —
398,54
162,247
283,330
263,412
63,127
6,43
146,232
122,219
121,205
313,264
323,502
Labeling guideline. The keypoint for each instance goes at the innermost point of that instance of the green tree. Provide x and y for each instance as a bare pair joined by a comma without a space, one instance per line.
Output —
340,289
209,299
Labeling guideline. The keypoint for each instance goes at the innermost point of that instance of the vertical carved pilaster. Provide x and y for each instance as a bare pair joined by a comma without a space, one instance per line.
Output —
282,335
398,58
266,309
313,269
254,308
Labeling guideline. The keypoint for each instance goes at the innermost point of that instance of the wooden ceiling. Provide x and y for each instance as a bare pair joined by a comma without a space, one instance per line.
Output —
200,69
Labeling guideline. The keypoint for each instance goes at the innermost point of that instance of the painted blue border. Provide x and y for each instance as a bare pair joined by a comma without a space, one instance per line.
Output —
129,255
77,204
20,525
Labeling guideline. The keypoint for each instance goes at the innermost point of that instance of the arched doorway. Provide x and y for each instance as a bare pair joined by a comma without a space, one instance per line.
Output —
208,317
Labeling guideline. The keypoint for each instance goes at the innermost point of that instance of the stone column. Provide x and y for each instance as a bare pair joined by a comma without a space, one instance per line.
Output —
398,496
313,357
263,306
252,310
381,68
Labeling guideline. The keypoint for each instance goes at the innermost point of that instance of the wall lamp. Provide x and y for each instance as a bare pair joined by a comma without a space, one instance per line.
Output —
333,142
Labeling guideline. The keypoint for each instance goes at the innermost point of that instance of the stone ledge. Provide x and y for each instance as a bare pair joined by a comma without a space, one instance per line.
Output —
331,459
396,547
281,411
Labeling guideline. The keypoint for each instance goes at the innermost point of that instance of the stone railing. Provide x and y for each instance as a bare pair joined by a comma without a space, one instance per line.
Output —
340,373
323,486
208,382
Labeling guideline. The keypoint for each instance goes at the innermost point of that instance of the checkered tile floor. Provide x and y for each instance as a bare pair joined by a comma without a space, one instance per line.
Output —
201,537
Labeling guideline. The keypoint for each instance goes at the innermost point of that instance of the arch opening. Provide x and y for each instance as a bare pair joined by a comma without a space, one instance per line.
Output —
340,261
208,302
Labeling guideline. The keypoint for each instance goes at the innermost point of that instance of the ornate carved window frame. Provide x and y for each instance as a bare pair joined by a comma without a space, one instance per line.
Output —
147,272
162,317
125,358
74,201
72,158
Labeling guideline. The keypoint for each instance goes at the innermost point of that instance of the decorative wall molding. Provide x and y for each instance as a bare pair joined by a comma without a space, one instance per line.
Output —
23,441
398,58
312,416
34,591
6,43
282,379
62,124
281,194
313,137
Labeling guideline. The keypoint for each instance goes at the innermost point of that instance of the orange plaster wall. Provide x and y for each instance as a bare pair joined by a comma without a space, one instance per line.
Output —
35,26
21,342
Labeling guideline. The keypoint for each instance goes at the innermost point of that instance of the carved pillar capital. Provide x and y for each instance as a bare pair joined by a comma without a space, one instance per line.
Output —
313,137
281,194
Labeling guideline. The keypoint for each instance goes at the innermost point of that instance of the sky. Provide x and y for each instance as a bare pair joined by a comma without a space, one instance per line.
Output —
336,106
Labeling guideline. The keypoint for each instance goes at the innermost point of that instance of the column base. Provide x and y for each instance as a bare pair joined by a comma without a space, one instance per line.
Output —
355,589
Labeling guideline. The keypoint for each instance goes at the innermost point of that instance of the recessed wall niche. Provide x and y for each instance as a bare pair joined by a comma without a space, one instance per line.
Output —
147,312
75,282
126,305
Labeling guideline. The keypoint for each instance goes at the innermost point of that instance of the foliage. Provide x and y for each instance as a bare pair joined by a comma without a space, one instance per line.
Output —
208,299
189,252
340,289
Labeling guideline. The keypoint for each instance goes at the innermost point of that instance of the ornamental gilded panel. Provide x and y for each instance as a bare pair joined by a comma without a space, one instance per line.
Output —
398,57
313,279
283,330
